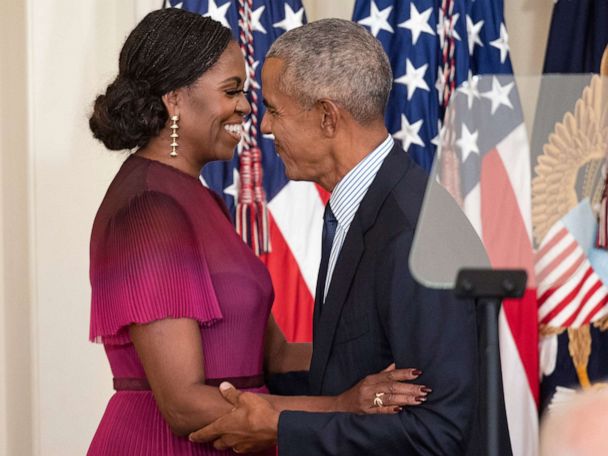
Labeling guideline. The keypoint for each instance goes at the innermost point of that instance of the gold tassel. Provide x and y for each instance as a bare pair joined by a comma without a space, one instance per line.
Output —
544,330
579,346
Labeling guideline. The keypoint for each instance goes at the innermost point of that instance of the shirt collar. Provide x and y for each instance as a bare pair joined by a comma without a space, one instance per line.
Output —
351,189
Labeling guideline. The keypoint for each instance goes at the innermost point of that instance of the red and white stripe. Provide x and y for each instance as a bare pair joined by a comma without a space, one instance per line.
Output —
499,208
296,224
570,293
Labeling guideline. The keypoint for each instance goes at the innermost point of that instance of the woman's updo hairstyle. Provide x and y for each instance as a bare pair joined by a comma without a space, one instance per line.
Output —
170,48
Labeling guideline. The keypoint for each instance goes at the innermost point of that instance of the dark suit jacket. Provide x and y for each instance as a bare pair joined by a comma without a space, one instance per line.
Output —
376,313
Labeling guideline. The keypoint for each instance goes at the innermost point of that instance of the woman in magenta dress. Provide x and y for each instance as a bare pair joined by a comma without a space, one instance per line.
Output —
179,302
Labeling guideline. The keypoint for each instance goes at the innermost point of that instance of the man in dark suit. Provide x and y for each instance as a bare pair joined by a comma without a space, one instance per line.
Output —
325,87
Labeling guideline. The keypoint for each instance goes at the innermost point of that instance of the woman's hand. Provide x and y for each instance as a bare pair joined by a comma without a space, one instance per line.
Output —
383,392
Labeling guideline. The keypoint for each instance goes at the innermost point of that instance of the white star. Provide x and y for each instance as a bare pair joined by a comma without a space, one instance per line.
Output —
440,83
469,88
467,142
255,18
445,25
233,189
418,22
249,82
378,20
408,134
178,5
218,13
436,141
502,43
473,31
499,95
413,78
292,19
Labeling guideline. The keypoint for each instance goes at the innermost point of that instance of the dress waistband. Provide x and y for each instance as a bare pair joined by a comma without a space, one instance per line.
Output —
141,384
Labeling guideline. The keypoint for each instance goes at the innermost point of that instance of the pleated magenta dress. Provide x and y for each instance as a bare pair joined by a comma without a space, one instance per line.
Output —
163,246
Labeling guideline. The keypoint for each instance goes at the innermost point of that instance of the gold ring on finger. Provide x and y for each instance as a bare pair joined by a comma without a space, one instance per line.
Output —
378,400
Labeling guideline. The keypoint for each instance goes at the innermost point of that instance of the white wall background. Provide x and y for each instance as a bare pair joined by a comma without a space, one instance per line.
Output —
55,56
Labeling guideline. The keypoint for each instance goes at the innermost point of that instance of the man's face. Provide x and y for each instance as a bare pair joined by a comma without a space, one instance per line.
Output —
297,131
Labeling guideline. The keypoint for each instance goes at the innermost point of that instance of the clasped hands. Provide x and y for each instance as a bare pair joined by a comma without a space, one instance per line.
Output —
252,424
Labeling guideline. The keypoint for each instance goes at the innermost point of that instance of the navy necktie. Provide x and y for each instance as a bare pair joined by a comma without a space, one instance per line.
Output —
329,230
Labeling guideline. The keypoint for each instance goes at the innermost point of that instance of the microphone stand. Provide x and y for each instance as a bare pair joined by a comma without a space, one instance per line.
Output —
488,287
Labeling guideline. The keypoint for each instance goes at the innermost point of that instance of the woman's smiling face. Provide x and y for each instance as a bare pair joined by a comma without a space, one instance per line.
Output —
211,110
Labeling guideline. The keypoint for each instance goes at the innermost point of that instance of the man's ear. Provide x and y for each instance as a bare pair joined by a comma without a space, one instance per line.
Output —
171,102
330,114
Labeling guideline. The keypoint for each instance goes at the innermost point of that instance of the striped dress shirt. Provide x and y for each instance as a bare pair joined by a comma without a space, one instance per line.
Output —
347,196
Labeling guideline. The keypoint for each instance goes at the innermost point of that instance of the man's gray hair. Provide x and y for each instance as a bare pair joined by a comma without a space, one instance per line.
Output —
338,60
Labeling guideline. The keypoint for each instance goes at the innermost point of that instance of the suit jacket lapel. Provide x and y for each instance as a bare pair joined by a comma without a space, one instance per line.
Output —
326,320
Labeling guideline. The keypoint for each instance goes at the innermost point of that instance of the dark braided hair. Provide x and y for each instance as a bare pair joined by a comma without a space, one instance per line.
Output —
168,49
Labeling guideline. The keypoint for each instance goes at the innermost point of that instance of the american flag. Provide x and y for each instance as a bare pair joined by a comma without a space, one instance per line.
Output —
572,274
570,291
295,209
437,51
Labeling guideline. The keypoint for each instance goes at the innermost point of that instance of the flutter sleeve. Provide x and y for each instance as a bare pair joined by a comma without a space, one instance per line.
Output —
148,265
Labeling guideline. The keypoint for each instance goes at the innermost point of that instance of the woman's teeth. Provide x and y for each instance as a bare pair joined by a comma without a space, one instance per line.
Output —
234,129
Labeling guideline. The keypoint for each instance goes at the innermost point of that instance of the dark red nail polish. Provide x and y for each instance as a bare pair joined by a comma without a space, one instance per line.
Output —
398,409
426,389
416,372
421,399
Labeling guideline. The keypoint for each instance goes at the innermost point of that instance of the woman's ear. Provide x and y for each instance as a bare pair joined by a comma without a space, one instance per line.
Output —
330,113
171,102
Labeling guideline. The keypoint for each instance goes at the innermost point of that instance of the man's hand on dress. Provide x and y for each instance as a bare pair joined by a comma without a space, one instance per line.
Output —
250,426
